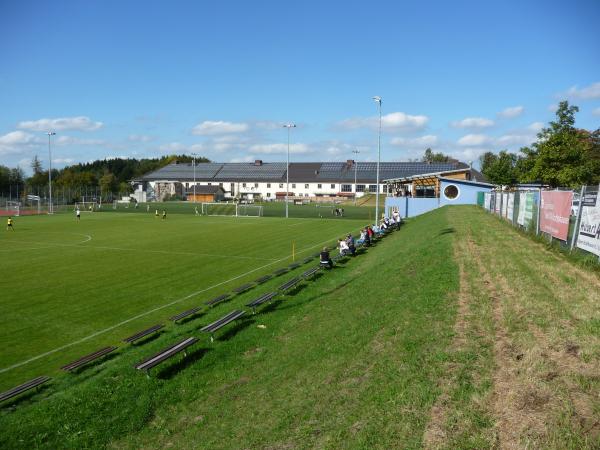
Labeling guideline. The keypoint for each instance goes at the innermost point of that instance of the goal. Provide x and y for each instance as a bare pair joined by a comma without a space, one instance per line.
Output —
13,208
231,209
219,209
86,206
249,210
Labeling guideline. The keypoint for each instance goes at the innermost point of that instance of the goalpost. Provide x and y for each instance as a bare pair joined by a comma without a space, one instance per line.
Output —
231,209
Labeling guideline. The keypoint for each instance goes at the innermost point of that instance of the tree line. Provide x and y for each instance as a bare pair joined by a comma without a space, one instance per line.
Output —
563,155
108,176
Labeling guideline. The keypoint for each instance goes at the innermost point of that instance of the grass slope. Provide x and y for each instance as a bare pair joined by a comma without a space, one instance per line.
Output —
350,360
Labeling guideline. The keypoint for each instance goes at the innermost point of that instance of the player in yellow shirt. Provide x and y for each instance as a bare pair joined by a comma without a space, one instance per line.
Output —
9,224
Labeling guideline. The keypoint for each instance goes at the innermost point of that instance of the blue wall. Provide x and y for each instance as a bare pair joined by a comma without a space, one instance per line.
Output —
410,207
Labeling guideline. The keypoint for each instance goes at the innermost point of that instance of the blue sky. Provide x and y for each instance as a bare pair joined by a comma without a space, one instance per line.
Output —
148,78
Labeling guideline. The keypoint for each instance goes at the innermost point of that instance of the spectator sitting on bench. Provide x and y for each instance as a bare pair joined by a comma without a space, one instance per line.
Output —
363,237
325,259
370,233
343,246
350,242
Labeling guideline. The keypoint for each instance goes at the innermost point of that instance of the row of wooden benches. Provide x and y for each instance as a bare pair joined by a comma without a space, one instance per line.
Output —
182,345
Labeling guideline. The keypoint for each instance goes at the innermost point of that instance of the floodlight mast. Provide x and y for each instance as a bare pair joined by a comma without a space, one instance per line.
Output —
356,152
377,99
287,168
50,208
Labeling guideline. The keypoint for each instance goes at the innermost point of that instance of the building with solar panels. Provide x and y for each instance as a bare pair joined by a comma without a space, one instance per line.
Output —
317,181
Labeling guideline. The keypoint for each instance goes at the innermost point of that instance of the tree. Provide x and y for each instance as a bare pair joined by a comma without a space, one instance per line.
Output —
500,169
108,183
430,157
563,155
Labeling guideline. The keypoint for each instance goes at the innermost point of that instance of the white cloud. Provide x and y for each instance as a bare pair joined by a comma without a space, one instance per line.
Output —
473,122
596,112
586,93
70,140
140,138
243,159
210,127
514,139
395,120
553,107
280,149
536,126
80,123
63,161
468,154
470,140
17,141
511,112
178,147
419,142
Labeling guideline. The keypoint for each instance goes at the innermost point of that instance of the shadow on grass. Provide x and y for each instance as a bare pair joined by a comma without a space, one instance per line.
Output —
244,323
446,231
172,370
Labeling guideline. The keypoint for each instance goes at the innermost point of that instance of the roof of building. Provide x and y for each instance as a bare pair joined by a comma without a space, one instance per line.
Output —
339,172
203,189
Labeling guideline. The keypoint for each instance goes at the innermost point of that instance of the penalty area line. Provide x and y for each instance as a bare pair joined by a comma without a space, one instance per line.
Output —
158,308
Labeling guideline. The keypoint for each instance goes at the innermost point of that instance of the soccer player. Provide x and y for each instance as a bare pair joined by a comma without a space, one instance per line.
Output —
156,213
78,214
197,213
9,224
164,215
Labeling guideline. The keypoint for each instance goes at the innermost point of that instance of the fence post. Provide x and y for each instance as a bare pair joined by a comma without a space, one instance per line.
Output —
578,219
539,208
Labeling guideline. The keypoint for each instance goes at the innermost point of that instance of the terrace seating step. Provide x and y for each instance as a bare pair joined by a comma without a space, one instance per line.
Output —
289,284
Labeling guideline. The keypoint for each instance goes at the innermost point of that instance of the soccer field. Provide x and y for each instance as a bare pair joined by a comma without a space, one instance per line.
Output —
69,288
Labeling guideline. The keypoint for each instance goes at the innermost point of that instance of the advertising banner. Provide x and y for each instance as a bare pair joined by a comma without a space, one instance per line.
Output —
498,201
504,204
555,212
487,201
589,228
528,210
510,208
521,216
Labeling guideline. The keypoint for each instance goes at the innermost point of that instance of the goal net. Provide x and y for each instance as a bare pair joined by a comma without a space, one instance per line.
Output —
249,210
13,208
86,206
219,209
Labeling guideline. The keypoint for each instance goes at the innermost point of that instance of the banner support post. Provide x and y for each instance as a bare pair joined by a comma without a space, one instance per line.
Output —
578,219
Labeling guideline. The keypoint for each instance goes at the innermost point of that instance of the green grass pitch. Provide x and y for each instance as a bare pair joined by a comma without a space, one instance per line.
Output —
69,288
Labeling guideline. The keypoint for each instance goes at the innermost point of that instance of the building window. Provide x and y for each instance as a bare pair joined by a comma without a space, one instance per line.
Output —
360,188
243,184
306,195
268,194
232,185
372,188
280,185
210,184
333,186
293,185
268,185
187,185
221,184
319,186
255,185
306,186
451,192
346,188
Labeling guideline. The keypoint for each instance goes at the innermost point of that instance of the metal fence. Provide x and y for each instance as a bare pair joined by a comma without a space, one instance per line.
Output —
568,218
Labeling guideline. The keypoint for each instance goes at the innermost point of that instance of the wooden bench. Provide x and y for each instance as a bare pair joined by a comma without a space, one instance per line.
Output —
88,358
293,266
188,313
289,284
211,328
36,382
263,279
310,272
216,300
165,354
307,260
242,288
134,337
260,300
280,272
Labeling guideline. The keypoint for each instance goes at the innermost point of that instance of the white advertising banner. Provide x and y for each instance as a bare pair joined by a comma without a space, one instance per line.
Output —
487,201
504,204
510,208
521,216
498,202
589,229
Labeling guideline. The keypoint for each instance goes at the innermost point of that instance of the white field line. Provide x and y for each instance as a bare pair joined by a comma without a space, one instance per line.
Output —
158,308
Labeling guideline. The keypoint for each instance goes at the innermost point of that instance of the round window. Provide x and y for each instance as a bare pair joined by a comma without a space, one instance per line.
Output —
451,192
